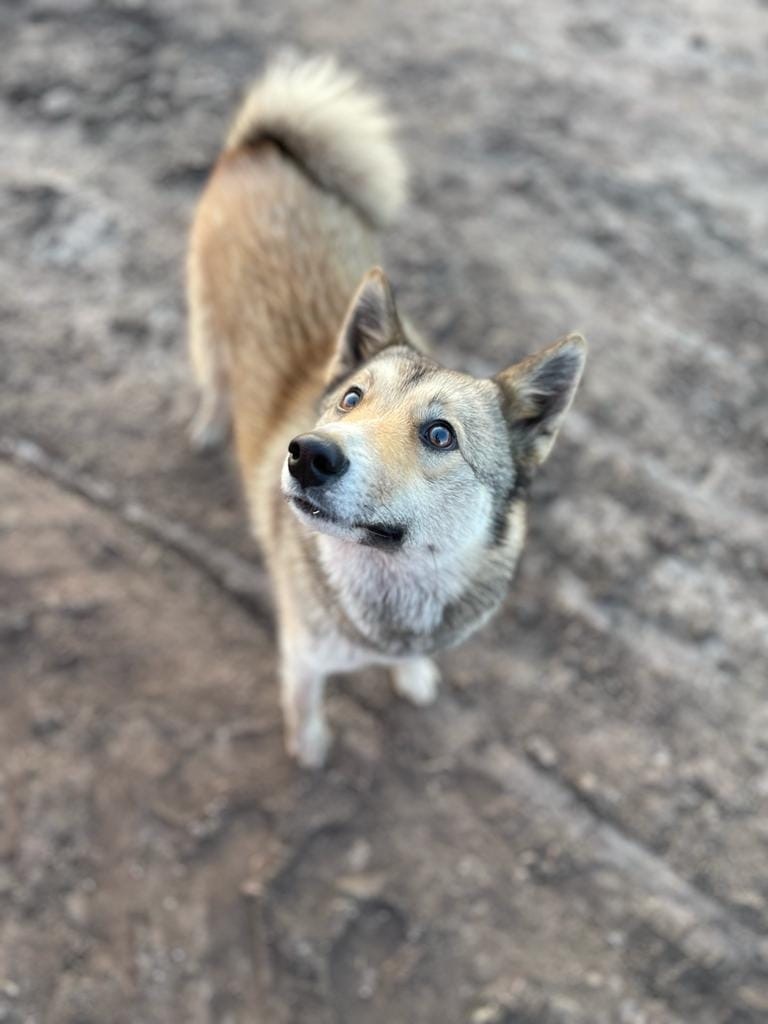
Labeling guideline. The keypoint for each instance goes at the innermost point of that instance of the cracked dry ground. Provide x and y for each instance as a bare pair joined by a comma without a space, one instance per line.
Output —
577,832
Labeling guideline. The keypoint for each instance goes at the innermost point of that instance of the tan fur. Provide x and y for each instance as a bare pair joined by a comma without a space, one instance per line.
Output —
273,262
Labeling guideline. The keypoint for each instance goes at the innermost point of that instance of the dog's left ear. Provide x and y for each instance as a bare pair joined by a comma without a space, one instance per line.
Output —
537,393
371,324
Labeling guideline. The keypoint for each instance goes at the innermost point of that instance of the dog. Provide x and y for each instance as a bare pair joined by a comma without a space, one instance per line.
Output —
388,493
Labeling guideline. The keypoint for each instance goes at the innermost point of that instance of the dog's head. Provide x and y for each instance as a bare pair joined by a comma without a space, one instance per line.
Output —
408,454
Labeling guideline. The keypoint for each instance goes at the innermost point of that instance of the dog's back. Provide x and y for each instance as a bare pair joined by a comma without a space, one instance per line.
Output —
283,232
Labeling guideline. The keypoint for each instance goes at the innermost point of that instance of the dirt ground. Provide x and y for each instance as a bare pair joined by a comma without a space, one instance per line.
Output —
577,833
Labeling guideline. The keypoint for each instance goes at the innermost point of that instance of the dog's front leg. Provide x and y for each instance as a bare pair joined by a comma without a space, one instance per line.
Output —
417,680
302,686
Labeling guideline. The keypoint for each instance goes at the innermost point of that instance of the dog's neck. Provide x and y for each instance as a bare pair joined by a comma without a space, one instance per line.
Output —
415,600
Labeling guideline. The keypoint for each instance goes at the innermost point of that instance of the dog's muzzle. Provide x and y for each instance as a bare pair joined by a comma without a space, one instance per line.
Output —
314,461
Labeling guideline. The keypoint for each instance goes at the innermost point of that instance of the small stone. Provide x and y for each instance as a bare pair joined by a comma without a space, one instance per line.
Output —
756,998
362,886
587,782
367,985
490,1014
77,907
541,751
359,857
748,898
57,103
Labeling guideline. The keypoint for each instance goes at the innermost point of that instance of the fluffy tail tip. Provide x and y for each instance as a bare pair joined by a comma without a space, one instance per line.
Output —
339,130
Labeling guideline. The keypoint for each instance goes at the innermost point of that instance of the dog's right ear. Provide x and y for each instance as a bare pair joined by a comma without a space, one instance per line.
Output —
371,325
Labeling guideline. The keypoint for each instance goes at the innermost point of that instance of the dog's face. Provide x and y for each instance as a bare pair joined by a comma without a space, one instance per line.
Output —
407,454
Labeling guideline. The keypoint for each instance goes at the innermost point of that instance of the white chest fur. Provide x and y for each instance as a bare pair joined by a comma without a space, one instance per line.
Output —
401,592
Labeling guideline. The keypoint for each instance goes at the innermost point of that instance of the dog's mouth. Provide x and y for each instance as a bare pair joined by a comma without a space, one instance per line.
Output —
375,534
311,509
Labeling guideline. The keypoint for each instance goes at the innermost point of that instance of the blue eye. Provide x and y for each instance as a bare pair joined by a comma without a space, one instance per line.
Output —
439,435
351,399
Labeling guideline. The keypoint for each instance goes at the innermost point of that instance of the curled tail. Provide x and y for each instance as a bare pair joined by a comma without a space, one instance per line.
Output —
339,133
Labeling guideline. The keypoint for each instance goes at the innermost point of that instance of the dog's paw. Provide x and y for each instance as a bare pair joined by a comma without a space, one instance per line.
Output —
417,681
310,745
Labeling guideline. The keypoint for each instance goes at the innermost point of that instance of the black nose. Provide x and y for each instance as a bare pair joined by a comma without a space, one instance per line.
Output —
314,460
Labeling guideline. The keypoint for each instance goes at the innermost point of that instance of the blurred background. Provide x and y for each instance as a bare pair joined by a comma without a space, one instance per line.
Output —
577,832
